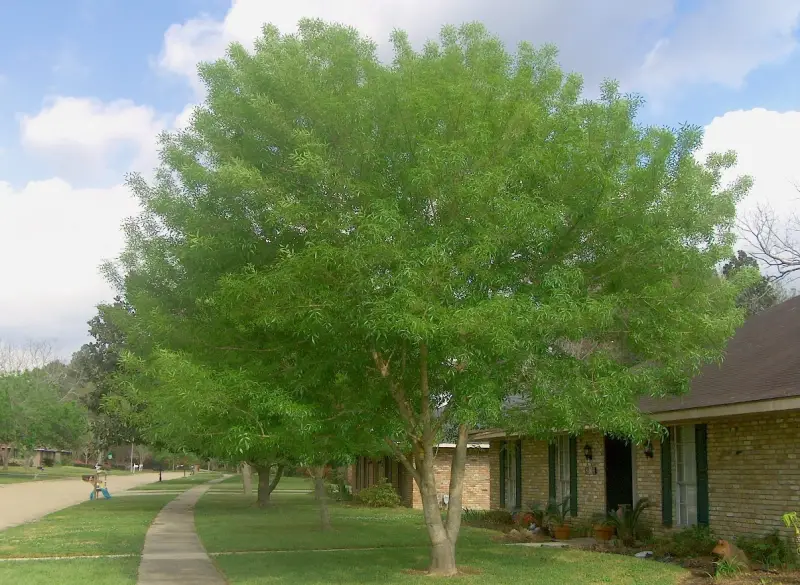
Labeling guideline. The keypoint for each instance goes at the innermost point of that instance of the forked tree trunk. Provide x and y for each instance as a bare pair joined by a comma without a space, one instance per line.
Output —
247,478
443,534
321,494
266,485
422,430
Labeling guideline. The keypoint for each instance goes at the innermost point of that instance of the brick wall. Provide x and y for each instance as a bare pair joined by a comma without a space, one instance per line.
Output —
648,482
476,478
535,475
753,472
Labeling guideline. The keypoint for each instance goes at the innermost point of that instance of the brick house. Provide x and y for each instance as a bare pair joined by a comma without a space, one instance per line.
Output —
368,471
731,458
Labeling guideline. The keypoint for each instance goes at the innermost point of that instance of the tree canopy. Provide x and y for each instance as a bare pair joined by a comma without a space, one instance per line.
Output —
407,245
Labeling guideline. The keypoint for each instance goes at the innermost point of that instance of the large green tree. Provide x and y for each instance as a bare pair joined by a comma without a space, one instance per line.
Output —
409,244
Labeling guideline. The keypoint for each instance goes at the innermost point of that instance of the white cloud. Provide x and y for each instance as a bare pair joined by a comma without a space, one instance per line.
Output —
53,238
91,135
649,46
720,42
768,147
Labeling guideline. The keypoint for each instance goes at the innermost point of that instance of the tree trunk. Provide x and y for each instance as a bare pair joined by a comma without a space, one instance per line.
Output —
265,486
443,546
4,454
247,478
264,492
322,496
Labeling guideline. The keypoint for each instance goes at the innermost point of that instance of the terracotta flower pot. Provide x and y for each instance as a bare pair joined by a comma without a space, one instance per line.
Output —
602,532
561,532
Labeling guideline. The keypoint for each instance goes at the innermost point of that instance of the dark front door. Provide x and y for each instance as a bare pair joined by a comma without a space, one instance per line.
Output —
619,474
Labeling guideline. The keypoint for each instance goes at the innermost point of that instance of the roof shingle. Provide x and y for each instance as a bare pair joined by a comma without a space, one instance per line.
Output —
762,362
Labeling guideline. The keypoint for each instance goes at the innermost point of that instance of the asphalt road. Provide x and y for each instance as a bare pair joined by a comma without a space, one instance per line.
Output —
28,501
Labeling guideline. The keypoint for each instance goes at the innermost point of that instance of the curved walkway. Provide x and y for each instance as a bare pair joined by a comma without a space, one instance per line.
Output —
173,552
28,501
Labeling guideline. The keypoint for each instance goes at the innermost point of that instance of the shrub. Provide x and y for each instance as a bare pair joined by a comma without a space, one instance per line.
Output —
493,519
628,522
771,551
727,568
380,495
694,541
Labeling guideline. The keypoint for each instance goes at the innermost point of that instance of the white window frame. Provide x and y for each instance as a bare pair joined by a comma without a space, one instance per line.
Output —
563,478
684,475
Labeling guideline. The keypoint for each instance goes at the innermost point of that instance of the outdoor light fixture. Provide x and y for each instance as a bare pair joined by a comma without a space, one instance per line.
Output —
648,449
587,454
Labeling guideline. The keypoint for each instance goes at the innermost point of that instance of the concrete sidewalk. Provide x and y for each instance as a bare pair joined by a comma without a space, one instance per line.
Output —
28,501
173,553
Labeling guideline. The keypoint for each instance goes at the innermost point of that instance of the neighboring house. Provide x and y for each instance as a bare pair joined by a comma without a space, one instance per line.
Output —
369,471
731,459
39,457
42,455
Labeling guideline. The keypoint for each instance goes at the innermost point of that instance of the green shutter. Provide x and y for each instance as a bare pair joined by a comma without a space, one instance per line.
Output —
518,471
551,469
573,476
701,446
502,475
666,480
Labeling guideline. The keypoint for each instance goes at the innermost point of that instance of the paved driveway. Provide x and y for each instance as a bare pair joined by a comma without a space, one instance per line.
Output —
27,501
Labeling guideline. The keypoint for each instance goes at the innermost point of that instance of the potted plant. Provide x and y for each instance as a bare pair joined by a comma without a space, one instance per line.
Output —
627,521
557,515
602,527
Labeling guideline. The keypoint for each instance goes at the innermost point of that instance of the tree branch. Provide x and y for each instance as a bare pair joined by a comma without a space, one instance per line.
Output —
404,460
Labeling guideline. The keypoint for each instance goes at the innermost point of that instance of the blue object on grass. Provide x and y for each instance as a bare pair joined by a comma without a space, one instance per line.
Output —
106,495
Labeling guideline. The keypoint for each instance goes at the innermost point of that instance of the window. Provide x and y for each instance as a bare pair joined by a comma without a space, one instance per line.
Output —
684,473
510,475
510,464
562,468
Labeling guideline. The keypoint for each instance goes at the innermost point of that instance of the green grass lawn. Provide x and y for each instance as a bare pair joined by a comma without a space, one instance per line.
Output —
490,565
115,526
72,572
180,483
290,528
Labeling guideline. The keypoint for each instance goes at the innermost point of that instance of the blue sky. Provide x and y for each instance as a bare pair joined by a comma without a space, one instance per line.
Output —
85,86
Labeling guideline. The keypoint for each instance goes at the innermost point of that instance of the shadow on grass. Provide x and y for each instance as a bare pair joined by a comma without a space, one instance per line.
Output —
493,565
232,522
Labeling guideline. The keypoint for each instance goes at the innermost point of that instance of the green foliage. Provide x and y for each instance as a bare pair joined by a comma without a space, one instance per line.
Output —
771,550
628,521
37,411
493,519
557,512
693,541
380,495
727,568
336,240
791,520
762,293
539,513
